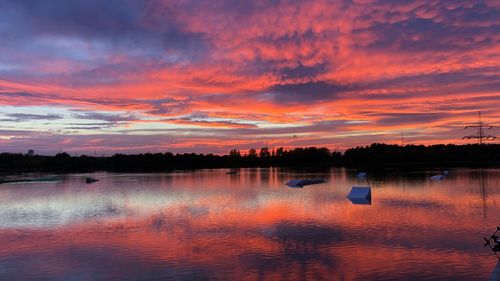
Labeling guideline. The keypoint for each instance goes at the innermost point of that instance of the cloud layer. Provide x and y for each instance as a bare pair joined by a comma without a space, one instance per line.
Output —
184,75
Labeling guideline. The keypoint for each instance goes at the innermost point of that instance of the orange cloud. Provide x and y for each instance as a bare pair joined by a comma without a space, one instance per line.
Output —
262,64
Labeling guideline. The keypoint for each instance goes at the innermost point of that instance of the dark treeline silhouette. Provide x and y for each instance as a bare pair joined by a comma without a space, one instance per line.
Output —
439,154
375,155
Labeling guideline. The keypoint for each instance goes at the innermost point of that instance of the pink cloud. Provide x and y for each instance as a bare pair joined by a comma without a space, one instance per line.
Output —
240,65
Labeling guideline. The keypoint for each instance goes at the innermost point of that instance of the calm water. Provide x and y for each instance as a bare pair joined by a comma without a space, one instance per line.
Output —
207,225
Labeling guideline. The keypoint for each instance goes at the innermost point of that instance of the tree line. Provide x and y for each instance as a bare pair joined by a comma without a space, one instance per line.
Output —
375,155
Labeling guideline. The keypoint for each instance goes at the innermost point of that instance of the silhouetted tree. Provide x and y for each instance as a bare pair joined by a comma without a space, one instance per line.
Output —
252,153
374,155
279,152
264,152
234,153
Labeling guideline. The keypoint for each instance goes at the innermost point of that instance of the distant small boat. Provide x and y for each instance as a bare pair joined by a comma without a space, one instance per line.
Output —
232,173
302,183
362,176
90,180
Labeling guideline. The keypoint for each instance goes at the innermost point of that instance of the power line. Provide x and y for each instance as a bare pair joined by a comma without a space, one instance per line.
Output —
481,136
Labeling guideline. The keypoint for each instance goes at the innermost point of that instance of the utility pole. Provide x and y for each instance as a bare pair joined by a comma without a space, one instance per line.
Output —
480,135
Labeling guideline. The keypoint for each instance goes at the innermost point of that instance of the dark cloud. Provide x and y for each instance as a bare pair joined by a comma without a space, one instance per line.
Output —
477,13
451,29
21,133
412,35
90,126
251,130
88,18
169,106
305,92
481,76
469,81
60,97
301,71
389,119
94,128
123,27
493,99
112,118
203,119
19,94
22,117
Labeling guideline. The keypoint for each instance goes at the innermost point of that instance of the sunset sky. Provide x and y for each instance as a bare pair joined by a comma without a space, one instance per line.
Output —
129,76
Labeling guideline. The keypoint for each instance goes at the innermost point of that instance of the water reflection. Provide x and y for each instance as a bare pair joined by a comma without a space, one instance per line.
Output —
483,187
495,275
209,225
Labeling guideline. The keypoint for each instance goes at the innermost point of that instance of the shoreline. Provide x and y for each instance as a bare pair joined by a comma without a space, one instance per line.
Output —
364,167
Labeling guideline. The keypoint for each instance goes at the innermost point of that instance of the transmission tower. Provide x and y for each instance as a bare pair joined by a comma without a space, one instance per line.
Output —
480,135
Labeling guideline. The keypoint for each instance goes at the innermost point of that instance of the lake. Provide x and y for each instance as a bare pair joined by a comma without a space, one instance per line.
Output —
209,225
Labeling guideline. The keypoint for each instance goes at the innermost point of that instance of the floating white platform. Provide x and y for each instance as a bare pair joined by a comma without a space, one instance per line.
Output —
360,195
302,183
438,177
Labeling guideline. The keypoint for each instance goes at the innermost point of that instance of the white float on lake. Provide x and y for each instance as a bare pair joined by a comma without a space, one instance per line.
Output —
439,177
362,176
302,183
360,195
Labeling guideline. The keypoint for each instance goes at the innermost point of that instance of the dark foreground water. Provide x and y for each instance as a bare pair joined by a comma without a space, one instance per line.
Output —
207,225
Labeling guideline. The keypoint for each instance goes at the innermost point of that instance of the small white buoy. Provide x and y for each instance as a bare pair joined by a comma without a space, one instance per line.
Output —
362,176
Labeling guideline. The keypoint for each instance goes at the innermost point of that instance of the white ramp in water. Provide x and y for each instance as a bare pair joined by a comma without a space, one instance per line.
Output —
360,195
302,183
438,177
